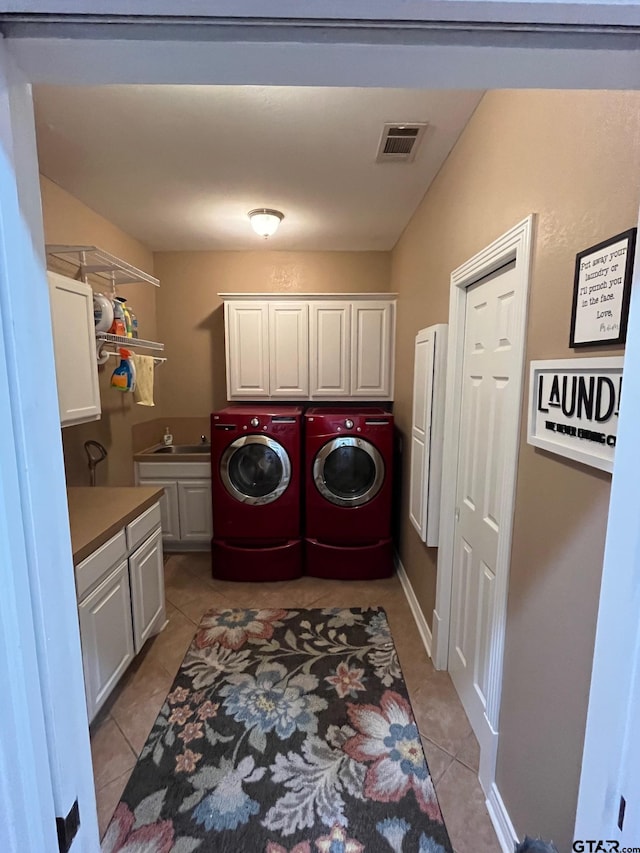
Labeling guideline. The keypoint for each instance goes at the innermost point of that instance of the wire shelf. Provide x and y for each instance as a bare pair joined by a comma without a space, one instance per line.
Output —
129,343
156,358
104,338
90,260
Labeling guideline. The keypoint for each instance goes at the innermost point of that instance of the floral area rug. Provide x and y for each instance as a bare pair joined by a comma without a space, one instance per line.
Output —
285,731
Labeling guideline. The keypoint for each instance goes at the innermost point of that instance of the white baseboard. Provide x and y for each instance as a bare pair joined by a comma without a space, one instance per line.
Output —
501,821
495,806
418,615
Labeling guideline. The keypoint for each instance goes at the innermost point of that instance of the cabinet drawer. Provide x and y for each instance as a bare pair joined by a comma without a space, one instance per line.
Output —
92,570
142,526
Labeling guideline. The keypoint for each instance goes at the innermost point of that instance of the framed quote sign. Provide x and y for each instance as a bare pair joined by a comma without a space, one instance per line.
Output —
573,408
601,291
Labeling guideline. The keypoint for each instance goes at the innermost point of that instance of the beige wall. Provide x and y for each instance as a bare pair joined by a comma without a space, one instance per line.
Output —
571,158
190,314
186,314
68,221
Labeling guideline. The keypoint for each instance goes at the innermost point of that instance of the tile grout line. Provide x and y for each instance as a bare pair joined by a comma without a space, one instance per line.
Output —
131,747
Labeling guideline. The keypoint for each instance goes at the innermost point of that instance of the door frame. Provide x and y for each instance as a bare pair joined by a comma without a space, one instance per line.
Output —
513,246
388,55
41,657
611,729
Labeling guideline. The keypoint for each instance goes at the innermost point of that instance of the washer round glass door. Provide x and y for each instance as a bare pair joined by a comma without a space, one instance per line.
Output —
255,469
348,471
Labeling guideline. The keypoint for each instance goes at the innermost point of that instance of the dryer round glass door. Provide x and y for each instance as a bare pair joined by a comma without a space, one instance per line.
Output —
255,469
348,471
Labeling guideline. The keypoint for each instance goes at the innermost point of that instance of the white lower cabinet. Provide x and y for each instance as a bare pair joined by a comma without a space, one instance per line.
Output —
169,509
194,502
146,575
186,503
107,636
121,603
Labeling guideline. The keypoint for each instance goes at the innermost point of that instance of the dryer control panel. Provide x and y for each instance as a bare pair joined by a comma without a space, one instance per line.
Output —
258,419
320,421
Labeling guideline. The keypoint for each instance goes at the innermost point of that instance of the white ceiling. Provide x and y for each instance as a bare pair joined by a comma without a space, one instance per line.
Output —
179,167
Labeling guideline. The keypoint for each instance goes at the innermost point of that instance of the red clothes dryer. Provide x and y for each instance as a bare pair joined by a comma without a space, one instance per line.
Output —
256,489
348,474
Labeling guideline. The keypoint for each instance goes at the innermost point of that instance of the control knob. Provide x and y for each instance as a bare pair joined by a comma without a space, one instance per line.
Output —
348,423
254,422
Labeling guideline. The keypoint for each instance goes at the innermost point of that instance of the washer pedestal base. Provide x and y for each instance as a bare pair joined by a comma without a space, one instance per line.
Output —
367,561
242,560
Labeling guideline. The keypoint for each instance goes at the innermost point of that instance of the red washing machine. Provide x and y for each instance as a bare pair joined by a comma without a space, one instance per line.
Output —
256,454
348,471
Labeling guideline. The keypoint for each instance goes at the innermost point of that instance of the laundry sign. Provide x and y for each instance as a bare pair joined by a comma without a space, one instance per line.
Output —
573,408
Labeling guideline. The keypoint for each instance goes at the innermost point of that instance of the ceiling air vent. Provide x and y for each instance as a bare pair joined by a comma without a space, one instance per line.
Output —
399,142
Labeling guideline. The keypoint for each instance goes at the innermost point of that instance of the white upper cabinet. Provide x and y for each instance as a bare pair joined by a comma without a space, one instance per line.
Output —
75,349
330,354
319,347
289,350
427,432
247,349
372,345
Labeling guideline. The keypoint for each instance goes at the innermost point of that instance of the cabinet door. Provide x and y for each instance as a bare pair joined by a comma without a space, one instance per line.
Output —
372,342
427,432
289,350
329,339
146,571
107,637
247,349
74,344
194,498
421,430
169,513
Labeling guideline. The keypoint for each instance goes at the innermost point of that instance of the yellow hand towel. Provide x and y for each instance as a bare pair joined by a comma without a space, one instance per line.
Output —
143,393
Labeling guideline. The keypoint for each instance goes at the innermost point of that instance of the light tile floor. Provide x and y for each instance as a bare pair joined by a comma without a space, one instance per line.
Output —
119,732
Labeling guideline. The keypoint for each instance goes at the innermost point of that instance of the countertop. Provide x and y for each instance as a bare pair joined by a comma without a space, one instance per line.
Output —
148,455
97,513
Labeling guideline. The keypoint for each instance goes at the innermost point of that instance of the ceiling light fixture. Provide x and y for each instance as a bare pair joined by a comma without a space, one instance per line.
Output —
265,221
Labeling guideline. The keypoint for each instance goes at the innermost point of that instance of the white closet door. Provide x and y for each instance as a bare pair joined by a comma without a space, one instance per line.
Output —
427,432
